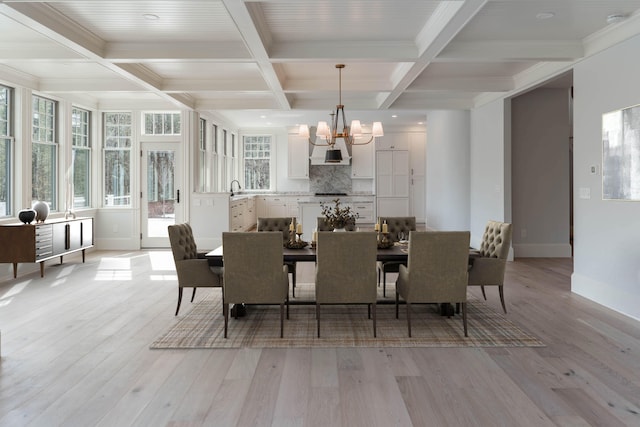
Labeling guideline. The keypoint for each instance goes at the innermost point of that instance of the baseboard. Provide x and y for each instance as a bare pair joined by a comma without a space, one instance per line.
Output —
542,250
606,295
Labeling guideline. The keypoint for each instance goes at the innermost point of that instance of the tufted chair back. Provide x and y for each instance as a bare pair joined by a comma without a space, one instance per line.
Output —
183,245
276,224
496,240
396,224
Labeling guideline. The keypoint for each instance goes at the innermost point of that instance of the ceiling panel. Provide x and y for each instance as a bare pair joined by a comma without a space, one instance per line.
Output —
331,20
516,20
124,21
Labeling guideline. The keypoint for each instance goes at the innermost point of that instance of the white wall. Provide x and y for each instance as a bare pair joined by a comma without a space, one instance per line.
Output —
540,173
448,177
490,168
606,233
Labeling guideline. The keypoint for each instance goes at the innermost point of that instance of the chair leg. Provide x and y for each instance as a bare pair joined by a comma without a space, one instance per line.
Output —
318,318
384,283
483,294
379,277
374,320
464,318
409,317
282,320
293,279
179,300
193,295
368,311
501,290
225,310
287,302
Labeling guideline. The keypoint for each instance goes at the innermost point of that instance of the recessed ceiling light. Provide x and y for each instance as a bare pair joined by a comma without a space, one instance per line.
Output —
150,17
616,18
420,123
545,15
394,116
263,117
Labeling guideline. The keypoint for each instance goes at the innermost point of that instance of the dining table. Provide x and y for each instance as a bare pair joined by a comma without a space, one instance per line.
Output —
396,253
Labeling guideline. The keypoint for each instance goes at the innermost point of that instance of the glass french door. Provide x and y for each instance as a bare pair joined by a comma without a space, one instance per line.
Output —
161,200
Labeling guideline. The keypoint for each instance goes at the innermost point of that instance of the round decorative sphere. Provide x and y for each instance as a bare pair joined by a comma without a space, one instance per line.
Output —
27,215
42,210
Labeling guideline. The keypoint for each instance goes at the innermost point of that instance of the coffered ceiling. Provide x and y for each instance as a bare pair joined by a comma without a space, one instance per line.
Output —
272,62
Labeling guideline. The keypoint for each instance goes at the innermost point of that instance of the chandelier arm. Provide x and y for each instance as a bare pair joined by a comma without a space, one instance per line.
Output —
352,141
328,144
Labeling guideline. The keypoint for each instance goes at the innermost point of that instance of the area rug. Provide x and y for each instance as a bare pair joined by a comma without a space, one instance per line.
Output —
341,326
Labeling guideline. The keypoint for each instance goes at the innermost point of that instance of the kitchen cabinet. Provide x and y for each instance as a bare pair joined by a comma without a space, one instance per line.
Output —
392,183
298,157
393,141
43,241
363,161
278,206
418,183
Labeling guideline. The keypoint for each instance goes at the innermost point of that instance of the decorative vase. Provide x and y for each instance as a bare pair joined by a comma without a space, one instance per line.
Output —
27,215
42,210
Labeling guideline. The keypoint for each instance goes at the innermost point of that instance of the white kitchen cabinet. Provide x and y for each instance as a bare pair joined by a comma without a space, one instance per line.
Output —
393,206
418,186
392,173
363,161
393,141
278,207
298,157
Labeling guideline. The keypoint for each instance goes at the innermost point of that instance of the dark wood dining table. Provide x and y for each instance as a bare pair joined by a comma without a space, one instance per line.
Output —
397,252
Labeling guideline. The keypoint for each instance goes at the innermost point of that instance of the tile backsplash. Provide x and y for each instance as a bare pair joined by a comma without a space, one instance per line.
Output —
330,179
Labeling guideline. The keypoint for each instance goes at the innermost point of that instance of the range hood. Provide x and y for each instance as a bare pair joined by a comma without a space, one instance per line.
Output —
319,152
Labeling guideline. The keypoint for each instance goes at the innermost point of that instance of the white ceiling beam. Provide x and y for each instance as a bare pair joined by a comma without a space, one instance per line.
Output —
463,84
358,85
218,85
492,51
353,51
191,51
18,77
237,103
257,39
446,22
42,52
76,85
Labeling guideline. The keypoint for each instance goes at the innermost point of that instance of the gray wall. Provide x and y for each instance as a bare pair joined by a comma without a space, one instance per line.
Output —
448,170
540,173
606,232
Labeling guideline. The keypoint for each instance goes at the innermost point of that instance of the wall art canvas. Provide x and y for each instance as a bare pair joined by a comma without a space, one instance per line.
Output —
621,154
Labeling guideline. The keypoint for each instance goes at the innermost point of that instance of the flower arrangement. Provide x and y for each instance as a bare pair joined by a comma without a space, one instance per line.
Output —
337,216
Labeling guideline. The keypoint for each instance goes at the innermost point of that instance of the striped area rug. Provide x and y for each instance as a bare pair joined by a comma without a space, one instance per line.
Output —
341,326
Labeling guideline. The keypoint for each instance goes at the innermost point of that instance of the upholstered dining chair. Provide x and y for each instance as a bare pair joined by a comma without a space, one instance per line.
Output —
281,224
436,271
192,268
345,271
323,225
395,226
254,272
489,263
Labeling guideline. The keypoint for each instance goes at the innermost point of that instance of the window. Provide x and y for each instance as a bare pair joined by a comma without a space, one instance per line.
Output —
161,124
6,139
80,157
202,157
117,159
257,162
44,151
214,160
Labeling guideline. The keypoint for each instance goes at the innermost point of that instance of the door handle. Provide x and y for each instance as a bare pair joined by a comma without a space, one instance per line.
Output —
178,196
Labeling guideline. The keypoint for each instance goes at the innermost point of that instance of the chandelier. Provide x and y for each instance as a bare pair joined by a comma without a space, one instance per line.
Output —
351,134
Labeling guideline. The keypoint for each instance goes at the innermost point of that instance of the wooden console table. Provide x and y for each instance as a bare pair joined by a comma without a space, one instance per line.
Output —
43,241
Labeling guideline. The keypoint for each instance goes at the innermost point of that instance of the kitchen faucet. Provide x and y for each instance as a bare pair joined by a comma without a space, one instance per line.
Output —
239,187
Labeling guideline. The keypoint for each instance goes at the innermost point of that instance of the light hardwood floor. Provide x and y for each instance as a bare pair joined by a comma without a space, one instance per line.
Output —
75,353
